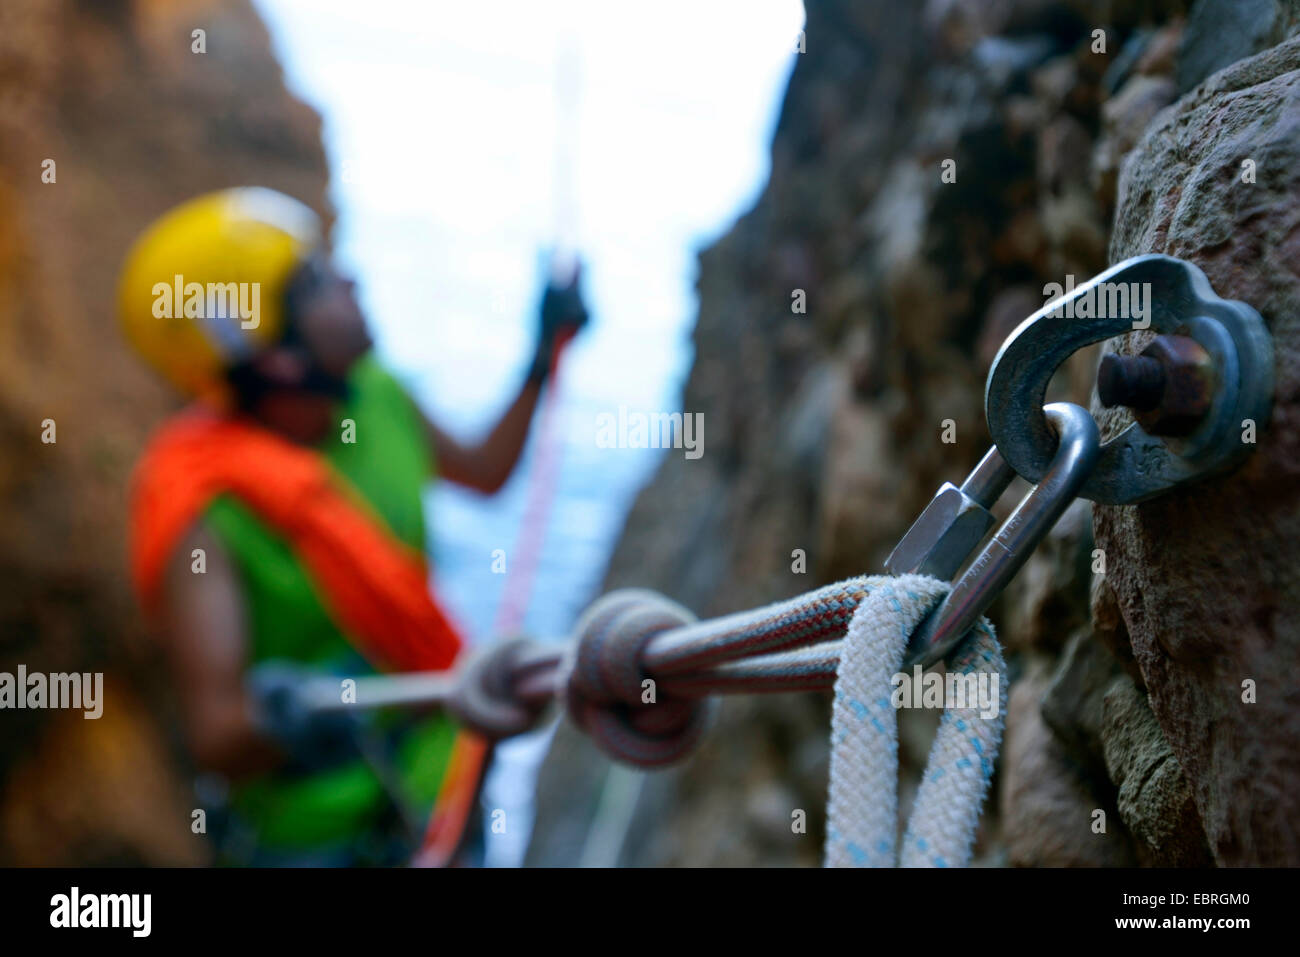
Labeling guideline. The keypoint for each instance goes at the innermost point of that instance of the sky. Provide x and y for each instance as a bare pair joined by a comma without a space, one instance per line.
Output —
441,121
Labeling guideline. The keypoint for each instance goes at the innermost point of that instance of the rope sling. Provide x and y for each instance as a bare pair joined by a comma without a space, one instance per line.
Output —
876,617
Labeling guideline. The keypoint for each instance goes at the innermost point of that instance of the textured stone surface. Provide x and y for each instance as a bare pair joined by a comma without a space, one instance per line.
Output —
1221,32
1048,808
1124,119
1072,702
1208,579
1109,629
1155,802
825,427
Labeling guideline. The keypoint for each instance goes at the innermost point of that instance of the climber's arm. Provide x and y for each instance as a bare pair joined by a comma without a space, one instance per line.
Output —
206,634
486,465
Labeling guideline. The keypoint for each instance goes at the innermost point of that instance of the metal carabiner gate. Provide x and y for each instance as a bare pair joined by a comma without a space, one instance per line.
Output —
934,544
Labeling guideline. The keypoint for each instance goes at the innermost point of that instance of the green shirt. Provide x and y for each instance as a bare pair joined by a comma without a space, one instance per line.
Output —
381,448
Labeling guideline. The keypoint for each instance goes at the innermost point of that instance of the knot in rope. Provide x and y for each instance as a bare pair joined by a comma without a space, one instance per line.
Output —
484,699
606,691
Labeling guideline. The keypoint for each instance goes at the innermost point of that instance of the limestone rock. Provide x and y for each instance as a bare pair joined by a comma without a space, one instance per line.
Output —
1221,32
1125,118
913,281
1109,629
1072,704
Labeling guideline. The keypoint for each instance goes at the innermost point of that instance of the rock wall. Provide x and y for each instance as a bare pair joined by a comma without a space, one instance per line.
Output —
1208,581
1072,150
135,121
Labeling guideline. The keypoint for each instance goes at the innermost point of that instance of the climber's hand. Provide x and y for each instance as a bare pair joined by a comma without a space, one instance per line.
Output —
561,315
312,740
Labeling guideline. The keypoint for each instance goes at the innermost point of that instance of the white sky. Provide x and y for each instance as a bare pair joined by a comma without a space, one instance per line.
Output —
441,122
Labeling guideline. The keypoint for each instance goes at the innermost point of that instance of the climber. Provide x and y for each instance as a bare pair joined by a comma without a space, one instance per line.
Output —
278,532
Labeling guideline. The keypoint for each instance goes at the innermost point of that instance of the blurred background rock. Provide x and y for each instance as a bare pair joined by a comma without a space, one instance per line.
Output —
76,79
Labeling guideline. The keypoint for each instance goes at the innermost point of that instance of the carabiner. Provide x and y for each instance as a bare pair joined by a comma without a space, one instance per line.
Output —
1077,449
954,523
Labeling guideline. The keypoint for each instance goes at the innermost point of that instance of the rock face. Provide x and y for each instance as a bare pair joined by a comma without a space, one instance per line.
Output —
1221,32
1067,147
1208,580
134,122
1155,802
1054,816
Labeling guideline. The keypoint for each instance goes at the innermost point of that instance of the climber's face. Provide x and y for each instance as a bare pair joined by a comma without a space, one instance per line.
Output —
329,319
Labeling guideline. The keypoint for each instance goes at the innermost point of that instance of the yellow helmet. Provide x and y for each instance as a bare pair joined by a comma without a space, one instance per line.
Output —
204,285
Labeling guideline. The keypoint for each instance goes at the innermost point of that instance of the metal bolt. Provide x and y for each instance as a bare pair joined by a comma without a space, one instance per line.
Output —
1169,387
1136,382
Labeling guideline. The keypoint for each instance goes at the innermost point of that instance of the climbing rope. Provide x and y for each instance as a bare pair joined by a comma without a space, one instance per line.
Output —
630,634
862,810
638,671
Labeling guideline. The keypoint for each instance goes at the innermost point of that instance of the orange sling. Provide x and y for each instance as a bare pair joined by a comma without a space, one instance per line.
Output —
374,586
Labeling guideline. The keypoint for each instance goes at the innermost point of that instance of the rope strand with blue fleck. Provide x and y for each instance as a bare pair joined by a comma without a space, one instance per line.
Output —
862,811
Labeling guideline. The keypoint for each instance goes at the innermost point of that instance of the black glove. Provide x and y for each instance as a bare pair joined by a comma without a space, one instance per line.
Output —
561,315
312,739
